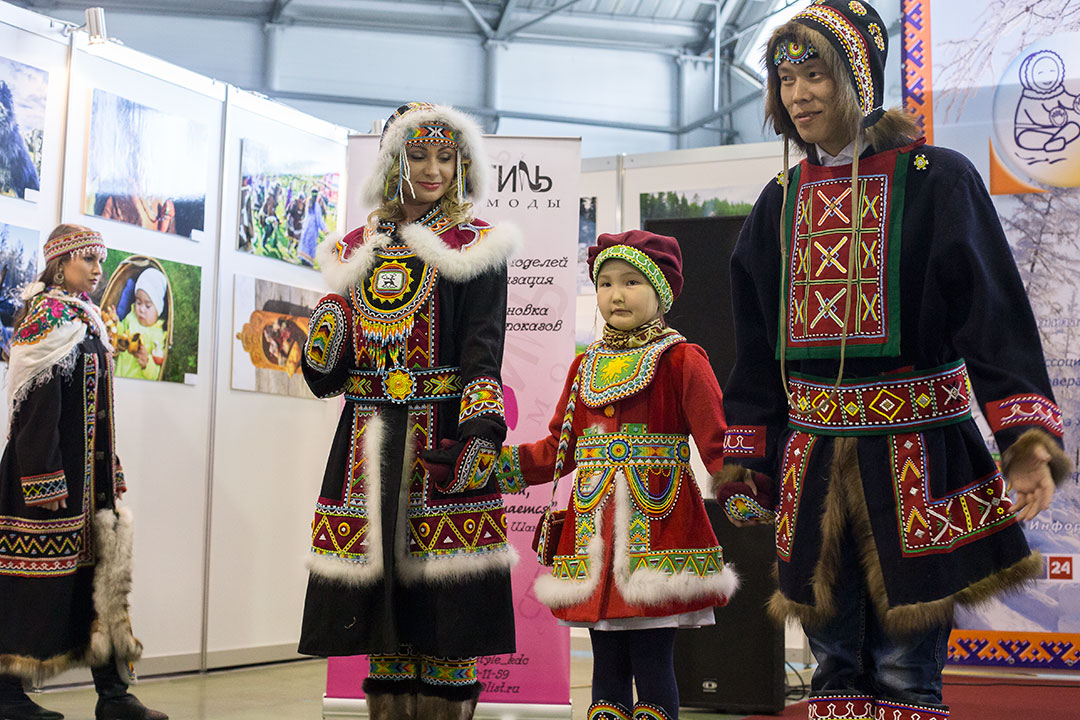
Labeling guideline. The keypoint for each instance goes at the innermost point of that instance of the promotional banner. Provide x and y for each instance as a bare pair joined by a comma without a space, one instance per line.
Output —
1001,84
534,187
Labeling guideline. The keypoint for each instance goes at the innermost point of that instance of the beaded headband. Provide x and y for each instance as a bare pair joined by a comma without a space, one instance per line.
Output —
79,243
432,134
642,262
793,51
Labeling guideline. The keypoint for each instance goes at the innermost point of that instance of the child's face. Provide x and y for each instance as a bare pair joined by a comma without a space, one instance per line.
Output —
144,309
809,95
624,296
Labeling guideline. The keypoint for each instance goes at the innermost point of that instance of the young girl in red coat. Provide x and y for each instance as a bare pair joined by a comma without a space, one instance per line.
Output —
636,558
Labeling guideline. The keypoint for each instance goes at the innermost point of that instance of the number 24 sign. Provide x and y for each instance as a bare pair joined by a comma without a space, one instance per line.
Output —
1060,567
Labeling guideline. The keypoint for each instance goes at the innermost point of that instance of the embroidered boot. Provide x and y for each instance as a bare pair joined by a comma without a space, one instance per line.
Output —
390,700
890,710
648,711
840,706
603,710
439,702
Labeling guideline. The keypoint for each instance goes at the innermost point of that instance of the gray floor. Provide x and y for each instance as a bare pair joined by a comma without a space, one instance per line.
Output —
285,691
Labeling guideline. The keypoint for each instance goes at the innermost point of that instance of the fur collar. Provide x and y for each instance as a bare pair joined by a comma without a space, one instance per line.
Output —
490,251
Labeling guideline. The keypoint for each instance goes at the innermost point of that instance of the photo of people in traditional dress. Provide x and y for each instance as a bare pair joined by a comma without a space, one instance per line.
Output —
151,310
270,326
288,202
145,167
22,127
18,266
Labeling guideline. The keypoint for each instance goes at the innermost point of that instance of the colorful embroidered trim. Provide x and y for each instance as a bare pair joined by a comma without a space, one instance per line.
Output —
387,304
699,563
642,262
793,51
613,375
912,402
482,396
508,473
404,386
448,671
820,229
792,473
648,460
45,315
746,509
329,330
745,441
482,529
854,45
339,531
1028,409
44,489
474,465
41,548
432,133
82,242
648,711
841,707
905,711
393,667
930,525
607,711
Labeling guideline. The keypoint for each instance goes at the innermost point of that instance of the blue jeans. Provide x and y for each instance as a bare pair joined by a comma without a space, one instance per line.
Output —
855,654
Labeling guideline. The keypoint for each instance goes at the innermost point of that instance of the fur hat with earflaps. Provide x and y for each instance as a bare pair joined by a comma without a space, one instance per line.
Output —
850,38
427,124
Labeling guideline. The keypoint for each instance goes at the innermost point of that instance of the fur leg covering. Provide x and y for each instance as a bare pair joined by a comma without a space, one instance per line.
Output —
390,699
110,634
889,710
440,702
648,711
604,710
841,706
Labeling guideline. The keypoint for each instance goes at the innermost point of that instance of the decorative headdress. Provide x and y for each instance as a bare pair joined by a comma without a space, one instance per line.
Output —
427,124
78,243
657,257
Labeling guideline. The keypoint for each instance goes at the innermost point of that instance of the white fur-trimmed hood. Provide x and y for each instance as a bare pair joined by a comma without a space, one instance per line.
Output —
491,251
470,144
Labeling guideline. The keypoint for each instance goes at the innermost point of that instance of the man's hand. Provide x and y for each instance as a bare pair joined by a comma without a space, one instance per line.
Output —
1031,483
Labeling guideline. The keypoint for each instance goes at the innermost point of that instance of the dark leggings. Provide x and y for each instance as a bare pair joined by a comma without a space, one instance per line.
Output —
623,658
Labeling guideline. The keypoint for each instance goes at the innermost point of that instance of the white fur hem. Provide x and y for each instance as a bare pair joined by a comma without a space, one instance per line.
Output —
489,253
349,572
446,571
110,634
556,593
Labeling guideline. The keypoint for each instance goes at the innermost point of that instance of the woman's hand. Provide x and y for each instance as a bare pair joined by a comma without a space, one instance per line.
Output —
55,505
1031,483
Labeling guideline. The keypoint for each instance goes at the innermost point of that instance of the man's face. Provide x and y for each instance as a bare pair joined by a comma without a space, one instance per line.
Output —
808,93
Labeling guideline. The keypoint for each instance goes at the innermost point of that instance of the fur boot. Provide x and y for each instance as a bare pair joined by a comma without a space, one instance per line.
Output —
391,700
438,702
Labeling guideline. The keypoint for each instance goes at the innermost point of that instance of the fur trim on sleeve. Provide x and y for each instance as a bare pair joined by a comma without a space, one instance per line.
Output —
341,274
1061,466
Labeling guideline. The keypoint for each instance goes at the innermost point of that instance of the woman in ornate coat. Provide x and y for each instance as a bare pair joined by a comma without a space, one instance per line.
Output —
65,544
409,558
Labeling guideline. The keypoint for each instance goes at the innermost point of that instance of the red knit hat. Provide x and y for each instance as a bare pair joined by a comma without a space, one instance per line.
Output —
657,257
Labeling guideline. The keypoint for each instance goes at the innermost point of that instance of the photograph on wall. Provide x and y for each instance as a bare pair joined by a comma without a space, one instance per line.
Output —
716,202
151,310
22,128
270,327
288,201
586,316
145,167
18,268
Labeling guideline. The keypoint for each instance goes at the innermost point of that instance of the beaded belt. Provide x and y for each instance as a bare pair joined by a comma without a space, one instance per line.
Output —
404,385
886,405
638,454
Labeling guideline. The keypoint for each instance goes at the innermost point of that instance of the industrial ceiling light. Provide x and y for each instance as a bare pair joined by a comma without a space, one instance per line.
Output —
94,27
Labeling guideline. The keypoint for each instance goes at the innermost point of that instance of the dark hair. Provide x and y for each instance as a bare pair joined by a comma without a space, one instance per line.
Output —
52,267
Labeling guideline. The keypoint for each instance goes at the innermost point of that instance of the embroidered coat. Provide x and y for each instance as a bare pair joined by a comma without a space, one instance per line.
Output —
64,574
636,541
413,338
895,458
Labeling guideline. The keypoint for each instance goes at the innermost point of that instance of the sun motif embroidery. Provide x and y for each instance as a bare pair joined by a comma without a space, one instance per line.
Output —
921,162
615,368
399,384
390,282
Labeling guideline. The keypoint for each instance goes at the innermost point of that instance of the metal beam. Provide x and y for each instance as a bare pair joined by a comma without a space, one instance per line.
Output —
480,22
508,10
544,16
277,9
729,108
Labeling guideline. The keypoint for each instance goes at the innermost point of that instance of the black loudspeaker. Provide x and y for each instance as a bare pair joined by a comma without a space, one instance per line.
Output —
736,665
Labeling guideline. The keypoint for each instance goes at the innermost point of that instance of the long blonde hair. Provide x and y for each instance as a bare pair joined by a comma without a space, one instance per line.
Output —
456,208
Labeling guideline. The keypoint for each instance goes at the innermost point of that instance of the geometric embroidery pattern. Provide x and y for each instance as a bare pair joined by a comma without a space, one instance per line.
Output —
841,707
700,563
792,473
745,440
1015,649
614,375
1028,409
329,326
888,710
393,667
929,525
447,671
909,402
42,489
482,396
917,90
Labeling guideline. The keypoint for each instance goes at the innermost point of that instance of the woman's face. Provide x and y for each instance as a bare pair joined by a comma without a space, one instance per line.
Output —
81,273
431,170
